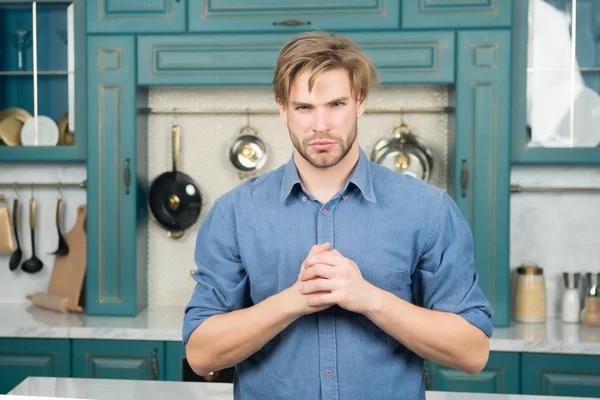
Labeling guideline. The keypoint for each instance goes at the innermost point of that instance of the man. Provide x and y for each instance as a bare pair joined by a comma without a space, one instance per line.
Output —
332,277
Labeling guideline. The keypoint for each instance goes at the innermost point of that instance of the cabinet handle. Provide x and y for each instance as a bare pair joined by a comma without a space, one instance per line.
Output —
154,365
127,176
291,22
464,178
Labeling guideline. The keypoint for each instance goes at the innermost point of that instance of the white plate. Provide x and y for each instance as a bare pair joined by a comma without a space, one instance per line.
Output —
47,134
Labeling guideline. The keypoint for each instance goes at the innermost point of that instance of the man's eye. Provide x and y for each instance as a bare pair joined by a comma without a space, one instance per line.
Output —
338,104
302,108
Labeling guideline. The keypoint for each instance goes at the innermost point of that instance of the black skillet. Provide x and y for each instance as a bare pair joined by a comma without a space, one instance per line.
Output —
174,198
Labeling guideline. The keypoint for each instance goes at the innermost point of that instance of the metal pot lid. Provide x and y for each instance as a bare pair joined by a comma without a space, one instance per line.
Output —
248,153
404,153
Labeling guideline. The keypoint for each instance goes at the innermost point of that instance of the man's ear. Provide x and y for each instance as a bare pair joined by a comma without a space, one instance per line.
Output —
282,111
360,107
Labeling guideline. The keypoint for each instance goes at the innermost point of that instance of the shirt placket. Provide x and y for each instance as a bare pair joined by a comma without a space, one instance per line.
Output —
326,320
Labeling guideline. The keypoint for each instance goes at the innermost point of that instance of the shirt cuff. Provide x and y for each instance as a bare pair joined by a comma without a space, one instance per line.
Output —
191,321
479,319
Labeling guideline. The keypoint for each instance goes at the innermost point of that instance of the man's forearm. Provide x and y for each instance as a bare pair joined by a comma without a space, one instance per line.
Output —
434,335
224,340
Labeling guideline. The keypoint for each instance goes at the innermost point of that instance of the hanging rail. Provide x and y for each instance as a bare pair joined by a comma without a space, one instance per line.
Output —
270,111
515,188
35,185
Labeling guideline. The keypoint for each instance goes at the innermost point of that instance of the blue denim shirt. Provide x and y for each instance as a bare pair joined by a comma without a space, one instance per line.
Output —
407,237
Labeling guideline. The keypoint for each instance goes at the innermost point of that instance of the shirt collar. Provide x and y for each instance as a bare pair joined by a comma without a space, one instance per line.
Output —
360,177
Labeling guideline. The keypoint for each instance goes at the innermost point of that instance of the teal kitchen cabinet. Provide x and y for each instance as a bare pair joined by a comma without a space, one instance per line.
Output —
560,375
118,359
235,59
134,16
443,14
174,361
55,84
116,222
500,375
20,358
524,83
482,157
292,15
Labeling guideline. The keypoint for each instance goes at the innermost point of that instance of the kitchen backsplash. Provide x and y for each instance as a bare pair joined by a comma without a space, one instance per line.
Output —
14,285
558,231
205,142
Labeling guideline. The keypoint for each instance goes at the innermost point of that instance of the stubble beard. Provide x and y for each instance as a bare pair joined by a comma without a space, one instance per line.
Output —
320,160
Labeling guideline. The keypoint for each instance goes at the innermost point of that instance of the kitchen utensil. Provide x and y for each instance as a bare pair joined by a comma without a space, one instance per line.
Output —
11,123
65,136
530,299
15,258
34,264
174,199
7,244
68,272
248,153
404,153
63,247
47,134
571,307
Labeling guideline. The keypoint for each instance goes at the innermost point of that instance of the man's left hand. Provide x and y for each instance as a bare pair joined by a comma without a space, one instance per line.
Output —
331,272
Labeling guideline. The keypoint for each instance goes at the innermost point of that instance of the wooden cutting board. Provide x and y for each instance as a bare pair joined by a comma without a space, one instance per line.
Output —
69,270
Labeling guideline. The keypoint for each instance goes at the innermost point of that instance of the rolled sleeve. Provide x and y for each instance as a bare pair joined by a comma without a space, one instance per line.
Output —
445,278
221,280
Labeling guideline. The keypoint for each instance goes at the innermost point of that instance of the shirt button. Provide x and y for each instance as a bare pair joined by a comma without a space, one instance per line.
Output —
324,212
345,197
328,372
304,198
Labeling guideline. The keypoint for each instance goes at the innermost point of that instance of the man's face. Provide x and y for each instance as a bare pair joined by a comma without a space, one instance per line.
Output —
322,123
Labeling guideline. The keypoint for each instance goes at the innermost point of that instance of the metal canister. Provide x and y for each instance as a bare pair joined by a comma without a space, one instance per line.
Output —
530,295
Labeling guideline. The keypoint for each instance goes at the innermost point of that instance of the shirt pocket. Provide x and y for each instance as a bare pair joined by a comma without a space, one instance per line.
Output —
397,282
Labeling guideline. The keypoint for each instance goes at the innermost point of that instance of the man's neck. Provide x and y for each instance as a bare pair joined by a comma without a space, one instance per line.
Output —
324,183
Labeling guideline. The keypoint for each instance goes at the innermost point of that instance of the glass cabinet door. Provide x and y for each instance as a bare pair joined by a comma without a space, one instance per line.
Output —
556,92
37,82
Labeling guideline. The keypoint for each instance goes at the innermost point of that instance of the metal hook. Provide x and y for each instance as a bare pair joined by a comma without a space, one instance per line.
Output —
247,116
15,189
175,117
32,190
59,190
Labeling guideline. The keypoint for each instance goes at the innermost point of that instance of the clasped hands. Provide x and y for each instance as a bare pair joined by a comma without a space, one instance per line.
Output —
327,277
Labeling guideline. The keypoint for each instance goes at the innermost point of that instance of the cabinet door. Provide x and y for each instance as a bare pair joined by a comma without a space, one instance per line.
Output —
174,361
20,358
118,359
456,13
292,15
400,57
561,375
500,375
116,221
111,16
482,157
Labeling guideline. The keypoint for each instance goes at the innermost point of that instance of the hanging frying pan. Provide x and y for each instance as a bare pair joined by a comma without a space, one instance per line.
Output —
404,153
174,199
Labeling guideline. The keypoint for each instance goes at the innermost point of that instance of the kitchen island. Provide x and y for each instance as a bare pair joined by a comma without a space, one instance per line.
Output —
113,389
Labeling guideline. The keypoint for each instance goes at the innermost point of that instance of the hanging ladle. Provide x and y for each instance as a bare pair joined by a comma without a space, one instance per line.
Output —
15,258
34,264
63,247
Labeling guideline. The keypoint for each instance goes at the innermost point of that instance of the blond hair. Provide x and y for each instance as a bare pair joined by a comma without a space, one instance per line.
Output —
318,52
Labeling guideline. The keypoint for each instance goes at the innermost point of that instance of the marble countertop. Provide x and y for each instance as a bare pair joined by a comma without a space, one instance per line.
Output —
113,389
23,320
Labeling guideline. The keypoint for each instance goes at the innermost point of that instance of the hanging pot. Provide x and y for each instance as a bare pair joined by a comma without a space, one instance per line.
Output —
404,153
174,199
248,153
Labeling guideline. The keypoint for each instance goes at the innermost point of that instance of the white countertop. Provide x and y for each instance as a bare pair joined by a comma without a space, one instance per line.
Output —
113,389
23,320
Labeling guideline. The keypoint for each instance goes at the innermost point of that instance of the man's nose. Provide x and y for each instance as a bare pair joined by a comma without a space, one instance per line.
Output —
321,121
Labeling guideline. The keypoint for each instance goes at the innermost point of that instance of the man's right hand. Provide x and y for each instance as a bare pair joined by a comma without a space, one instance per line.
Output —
298,302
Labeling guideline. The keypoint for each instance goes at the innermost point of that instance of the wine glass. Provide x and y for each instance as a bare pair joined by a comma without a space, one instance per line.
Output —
23,38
